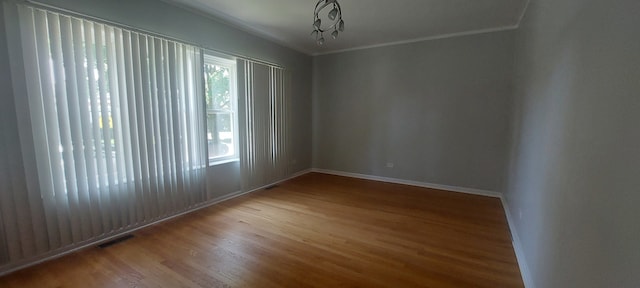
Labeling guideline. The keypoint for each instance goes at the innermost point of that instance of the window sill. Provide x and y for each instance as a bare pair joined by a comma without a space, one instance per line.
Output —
222,161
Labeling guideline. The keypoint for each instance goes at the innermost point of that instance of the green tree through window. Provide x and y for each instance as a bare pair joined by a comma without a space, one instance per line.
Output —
221,111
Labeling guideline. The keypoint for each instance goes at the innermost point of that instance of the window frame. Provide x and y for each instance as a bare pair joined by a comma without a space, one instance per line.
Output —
214,58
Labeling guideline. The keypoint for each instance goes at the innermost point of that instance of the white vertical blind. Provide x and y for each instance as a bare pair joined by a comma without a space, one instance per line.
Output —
265,140
118,122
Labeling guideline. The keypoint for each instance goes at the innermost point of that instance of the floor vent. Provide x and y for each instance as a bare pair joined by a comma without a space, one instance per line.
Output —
115,241
270,187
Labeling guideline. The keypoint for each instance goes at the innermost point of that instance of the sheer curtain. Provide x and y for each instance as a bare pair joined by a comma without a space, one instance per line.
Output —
265,156
118,123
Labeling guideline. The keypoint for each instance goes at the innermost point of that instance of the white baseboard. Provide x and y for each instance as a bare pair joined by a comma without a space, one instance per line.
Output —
412,183
517,247
524,270
294,175
97,241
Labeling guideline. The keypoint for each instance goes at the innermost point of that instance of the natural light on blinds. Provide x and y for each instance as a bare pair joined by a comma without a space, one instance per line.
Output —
118,121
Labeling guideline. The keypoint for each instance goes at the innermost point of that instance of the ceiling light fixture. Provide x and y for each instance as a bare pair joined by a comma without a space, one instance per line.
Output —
334,18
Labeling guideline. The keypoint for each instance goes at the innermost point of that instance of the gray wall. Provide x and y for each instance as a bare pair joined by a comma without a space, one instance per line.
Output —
163,18
438,110
575,165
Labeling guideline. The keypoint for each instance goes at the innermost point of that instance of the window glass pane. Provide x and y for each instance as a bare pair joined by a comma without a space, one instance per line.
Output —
221,108
220,134
217,83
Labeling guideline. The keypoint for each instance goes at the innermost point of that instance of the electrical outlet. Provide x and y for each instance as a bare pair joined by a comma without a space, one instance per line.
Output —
390,165
519,214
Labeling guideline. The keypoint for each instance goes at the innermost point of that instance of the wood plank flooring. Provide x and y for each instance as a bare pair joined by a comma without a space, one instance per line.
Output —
313,231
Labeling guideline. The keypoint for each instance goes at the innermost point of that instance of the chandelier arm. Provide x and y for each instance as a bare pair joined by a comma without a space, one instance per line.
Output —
317,10
338,17
335,23
339,9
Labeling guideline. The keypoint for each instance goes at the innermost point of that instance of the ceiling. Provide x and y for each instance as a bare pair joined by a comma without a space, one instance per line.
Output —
368,23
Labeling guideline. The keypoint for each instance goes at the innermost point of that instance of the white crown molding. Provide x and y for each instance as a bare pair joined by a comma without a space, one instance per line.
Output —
416,40
524,12
261,33
235,23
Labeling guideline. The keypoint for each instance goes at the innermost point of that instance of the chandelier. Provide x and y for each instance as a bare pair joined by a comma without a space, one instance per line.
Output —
334,21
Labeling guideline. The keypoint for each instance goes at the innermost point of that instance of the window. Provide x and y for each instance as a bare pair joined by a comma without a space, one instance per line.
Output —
118,127
221,101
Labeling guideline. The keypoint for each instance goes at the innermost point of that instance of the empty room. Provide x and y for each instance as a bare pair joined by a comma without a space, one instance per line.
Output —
320,143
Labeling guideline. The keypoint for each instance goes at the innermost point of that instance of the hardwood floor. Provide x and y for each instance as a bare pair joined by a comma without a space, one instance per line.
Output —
313,231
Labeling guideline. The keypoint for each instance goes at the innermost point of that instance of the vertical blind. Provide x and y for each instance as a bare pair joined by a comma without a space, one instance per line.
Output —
265,156
118,122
